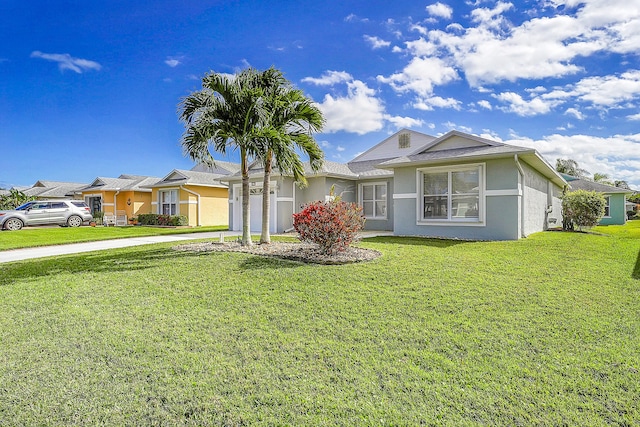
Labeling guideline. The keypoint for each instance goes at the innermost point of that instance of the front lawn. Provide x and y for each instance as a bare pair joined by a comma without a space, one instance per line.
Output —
542,331
44,236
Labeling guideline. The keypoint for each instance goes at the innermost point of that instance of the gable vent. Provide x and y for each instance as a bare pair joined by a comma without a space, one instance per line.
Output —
404,140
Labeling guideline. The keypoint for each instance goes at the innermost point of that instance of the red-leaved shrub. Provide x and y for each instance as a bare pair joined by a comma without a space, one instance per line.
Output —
331,225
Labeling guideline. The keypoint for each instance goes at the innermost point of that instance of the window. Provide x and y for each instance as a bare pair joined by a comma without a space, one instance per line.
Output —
607,206
373,198
451,194
168,202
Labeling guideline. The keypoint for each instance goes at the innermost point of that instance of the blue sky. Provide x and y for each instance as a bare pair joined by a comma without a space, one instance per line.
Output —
91,89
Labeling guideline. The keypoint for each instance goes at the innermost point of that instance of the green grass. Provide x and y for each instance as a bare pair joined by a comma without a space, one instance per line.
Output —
630,230
542,331
38,236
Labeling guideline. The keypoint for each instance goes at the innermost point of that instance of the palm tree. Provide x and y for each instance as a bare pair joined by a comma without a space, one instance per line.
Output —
226,115
287,129
570,167
602,178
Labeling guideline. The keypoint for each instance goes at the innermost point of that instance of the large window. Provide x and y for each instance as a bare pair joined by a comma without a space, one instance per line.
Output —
451,194
607,206
168,202
373,198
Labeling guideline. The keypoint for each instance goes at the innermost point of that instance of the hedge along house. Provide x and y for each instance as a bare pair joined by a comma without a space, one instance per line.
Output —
128,193
616,198
453,186
200,196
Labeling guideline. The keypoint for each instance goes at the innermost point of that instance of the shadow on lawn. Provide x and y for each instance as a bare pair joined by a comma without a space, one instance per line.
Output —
636,270
100,262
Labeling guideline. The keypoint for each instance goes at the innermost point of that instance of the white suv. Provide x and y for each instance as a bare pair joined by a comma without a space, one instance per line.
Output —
70,213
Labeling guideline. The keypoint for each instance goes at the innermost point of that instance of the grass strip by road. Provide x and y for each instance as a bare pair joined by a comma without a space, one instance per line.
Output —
46,236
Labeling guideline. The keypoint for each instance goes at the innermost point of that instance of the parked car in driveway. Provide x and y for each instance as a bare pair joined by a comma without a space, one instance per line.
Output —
70,213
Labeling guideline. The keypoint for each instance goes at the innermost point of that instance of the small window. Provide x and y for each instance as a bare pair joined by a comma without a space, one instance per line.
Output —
607,206
404,140
373,199
58,205
168,202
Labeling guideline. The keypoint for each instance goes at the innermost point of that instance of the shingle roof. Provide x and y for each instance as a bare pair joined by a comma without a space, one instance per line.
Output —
219,167
585,184
457,154
135,183
53,189
190,177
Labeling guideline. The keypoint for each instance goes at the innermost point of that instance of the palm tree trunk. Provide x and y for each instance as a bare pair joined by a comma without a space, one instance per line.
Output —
265,237
246,224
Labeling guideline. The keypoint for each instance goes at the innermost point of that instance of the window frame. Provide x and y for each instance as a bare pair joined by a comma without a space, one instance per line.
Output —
374,200
607,207
161,204
450,220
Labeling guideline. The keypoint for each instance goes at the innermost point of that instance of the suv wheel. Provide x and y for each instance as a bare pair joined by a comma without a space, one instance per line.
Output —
74,221
13,224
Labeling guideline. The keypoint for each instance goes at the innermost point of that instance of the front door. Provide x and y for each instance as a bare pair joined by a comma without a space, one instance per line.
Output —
255,208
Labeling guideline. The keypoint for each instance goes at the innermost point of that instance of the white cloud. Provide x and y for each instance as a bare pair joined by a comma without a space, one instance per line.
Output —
172,62
340,148
404,122
618,156
634,117
440,10
376,42
68,62
522,107
485,104
329,78
360,111
355,18
421,75
429,103
575,113
604,91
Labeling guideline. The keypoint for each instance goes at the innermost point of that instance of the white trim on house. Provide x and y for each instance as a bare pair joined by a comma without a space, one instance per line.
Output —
188,202
607,206
107,204
509,192
450,220
405,196
284,199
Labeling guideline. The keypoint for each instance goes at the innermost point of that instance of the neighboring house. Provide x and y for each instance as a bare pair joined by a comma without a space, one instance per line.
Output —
127,193
197,194
615,211
454,186
53,190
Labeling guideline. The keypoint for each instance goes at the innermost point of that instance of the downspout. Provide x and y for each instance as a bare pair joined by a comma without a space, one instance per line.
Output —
522,175
198,197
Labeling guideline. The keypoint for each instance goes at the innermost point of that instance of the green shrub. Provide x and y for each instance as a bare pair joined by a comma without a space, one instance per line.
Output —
164,220
582,208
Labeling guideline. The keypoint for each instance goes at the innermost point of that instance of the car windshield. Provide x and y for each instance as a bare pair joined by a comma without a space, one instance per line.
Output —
24,206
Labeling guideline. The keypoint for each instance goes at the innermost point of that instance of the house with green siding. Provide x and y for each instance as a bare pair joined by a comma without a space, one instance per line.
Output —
615,212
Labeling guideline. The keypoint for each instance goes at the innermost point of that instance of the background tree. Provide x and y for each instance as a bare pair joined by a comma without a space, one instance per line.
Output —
622,184
13,199
225,115
570,167
602,178
288,128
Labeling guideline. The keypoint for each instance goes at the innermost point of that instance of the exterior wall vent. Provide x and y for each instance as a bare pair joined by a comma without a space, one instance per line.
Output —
404,140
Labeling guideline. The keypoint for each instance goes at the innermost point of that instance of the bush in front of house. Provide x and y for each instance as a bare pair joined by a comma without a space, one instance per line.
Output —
163,220
332,225
582,208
